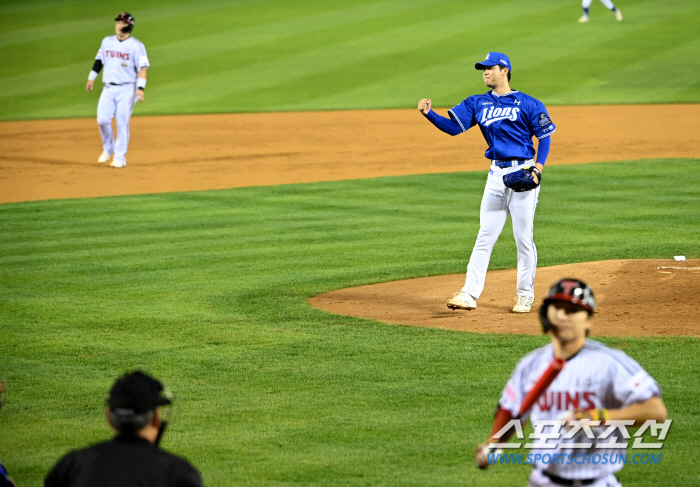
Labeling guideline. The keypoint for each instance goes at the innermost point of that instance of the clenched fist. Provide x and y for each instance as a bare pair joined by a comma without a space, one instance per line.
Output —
424,105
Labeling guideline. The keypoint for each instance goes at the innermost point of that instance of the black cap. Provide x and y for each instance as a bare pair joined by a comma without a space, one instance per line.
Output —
136,393
126,17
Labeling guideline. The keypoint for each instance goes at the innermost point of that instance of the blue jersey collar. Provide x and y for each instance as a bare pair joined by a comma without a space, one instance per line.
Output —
499,96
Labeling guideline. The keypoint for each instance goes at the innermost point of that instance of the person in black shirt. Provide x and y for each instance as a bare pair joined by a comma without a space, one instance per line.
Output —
132,457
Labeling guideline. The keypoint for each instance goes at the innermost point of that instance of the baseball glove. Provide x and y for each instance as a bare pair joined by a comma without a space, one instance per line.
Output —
523,179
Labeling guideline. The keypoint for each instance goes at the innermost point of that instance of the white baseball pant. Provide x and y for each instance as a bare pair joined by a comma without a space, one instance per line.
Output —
607,3
497,203
115,101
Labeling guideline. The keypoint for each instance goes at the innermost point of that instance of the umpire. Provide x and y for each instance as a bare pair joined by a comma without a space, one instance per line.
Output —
132,457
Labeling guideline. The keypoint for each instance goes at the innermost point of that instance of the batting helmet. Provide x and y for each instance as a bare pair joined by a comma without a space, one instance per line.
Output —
128,18
569,290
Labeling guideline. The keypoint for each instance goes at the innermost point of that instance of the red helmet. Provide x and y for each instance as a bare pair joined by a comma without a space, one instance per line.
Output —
569,290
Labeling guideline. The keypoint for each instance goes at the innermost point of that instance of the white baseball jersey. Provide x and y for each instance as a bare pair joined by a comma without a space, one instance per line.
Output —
122,60
596,377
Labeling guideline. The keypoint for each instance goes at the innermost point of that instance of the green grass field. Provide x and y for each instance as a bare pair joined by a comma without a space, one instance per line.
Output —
207,290
239,56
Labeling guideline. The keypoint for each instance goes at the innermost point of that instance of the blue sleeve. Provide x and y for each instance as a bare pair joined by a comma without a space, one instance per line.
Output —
463,114
540,123
543,149
447,125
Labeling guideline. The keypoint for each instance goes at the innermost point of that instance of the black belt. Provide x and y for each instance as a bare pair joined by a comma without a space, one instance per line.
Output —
509,163
119,84
570,482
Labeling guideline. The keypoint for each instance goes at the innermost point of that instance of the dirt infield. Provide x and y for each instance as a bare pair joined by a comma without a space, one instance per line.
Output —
635,297
57,158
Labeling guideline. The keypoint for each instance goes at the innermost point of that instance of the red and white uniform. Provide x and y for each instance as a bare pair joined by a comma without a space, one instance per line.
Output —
596,377
122,61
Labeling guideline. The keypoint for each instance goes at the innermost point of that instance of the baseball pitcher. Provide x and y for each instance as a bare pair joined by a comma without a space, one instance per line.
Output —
508,120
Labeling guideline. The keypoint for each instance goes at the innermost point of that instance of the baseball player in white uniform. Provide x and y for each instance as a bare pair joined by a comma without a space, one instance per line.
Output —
611,6
597,383
125,63
508,120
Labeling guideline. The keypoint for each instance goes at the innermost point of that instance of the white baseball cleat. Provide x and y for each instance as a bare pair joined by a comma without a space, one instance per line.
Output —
461,300
618,15
104,157
523,304
585,19
116,163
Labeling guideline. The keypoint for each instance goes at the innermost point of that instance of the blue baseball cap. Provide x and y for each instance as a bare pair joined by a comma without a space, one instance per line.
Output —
492,59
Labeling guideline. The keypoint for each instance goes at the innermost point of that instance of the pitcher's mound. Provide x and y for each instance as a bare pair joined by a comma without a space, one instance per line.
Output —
635,297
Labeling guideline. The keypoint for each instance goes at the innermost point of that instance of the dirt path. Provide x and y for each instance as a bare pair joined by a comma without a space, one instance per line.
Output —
57,158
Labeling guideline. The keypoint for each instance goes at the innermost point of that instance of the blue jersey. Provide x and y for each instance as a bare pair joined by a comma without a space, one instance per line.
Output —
508,122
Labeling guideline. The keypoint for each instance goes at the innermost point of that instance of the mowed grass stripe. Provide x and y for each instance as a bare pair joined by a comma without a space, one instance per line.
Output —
208,291
645,78
261,56
304,225
55,55
627,65
262,222
217,49
91,18
445,72
292,32
271,82
213,90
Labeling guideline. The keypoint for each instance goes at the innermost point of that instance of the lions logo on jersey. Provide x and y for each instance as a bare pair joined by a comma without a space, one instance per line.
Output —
491,115
544,120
